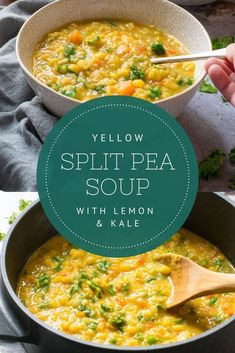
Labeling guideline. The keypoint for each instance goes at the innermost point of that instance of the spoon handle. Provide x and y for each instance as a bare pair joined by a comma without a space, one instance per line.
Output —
219,53
220,282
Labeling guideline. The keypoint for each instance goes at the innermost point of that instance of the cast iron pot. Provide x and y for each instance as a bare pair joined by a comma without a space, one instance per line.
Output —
213,216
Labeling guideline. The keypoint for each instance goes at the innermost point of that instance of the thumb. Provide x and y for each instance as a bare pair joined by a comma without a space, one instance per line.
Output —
223,82
230,54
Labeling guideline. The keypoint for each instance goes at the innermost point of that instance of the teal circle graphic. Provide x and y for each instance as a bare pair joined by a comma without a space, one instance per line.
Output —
117,176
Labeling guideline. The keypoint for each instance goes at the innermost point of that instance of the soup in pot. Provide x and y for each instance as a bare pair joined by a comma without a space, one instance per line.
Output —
121,301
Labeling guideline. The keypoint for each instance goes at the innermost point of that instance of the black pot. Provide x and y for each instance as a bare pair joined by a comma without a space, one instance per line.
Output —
213,216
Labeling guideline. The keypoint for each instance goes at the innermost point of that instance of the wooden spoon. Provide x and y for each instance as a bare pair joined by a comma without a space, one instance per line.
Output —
189,280
220,53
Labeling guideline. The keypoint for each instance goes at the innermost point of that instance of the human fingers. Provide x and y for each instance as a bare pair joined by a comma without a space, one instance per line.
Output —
223,63
230,54
223,82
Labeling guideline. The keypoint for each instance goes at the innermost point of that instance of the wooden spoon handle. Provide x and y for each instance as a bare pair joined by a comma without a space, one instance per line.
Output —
220,53
219,282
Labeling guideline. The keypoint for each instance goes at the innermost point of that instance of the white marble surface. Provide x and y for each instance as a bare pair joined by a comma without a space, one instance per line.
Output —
9,203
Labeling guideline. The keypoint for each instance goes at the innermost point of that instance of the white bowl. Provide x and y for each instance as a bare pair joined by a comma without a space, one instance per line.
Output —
163,14
192,2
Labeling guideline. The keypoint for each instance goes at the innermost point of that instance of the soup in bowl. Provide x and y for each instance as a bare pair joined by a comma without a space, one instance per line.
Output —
72,51
99,58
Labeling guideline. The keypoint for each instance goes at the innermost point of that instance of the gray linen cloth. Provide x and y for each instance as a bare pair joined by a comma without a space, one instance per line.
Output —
24,122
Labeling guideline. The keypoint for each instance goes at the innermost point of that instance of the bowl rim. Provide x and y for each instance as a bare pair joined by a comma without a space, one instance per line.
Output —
68,337
196,83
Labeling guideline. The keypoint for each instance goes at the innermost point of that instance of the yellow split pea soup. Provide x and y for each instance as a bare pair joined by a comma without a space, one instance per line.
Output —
120,301
103,58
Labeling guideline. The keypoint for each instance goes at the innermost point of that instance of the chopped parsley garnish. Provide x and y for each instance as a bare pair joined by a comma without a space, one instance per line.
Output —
94,274
218,319
210,166
179,321
140,317
126,288
44,306
82,276
160,293
190,81
151,340
232,182
139,337
84,308
93,325
160,307
69,50
69,93
59,263
158,48
155,92
23,204
109,50
150,279
203,262
62,69
58,267
223,42
12,217
57,259
74,289
118,322
136,73
113,341
44,281
105,308
232,156
21,207
103,266
100,88
185,82
94,41
207,87
218,263
111,289
213,301
96,289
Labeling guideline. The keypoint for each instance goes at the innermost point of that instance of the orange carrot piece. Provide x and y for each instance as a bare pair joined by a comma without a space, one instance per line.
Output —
75,37
126,88
171,51
149,325
228,309
142,259
142,50
121,301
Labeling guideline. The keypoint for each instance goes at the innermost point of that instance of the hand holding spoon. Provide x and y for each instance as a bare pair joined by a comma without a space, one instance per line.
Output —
189,280
220,53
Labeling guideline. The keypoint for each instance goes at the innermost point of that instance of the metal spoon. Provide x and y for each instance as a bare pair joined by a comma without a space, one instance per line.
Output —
189,280
220,53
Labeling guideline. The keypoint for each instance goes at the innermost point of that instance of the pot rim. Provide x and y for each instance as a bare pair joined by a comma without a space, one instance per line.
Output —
28,73
28,314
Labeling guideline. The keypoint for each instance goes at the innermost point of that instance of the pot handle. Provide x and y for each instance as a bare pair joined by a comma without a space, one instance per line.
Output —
12,328
28,338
